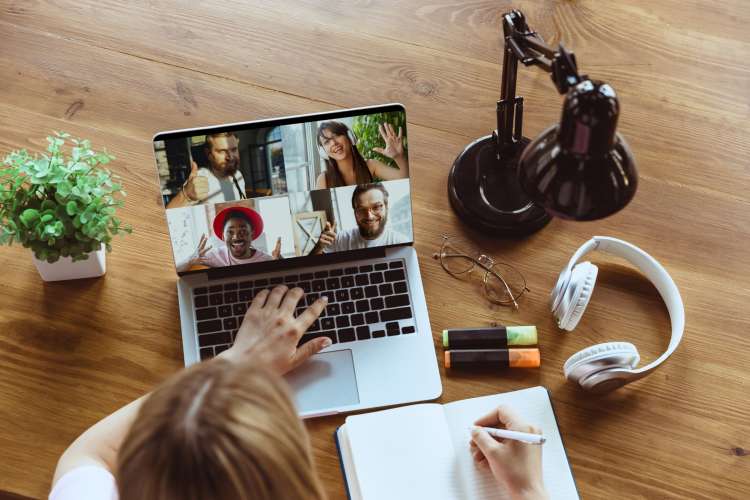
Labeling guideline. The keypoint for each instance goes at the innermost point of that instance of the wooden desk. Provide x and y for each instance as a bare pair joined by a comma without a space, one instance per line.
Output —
117,72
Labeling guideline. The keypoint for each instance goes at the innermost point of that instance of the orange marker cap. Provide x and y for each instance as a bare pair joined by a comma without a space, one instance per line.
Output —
524,358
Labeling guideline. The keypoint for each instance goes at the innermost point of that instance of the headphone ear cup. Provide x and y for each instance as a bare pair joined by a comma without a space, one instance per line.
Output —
600,357
558,292
576,295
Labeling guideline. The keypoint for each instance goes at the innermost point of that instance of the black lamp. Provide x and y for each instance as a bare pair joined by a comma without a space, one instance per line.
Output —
507,185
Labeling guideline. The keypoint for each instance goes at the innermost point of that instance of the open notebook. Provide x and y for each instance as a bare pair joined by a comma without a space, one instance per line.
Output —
422,451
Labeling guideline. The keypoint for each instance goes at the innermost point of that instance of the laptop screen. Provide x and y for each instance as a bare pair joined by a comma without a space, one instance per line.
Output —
301,187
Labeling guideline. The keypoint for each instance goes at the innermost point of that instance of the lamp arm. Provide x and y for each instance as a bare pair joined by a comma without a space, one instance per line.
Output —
524,45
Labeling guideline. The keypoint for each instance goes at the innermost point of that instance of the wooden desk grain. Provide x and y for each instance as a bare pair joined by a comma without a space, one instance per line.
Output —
117,72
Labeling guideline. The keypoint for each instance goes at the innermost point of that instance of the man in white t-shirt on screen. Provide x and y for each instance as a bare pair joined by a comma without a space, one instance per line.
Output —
370,204
220,181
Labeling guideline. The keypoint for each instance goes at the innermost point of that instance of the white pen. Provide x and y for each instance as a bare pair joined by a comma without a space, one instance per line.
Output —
516,435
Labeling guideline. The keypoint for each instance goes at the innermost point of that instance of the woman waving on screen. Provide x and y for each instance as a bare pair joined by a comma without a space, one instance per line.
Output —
345,165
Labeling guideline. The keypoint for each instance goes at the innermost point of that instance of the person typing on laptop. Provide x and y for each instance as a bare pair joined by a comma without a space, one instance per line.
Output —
227,428
370,205
236,227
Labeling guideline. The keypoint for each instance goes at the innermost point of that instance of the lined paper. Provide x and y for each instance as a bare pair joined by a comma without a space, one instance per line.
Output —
533,406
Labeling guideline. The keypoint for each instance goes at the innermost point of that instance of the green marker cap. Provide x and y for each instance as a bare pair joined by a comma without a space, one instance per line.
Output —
517,335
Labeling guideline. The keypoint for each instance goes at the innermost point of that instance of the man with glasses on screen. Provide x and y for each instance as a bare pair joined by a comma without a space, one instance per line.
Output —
370,204
221,181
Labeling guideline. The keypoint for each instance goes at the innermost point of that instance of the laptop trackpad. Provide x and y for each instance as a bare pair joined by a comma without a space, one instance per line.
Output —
326,380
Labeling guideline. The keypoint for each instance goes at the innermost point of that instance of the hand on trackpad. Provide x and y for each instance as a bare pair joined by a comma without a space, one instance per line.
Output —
325,381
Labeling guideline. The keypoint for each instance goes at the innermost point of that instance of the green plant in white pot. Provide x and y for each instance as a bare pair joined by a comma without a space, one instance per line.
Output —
61,206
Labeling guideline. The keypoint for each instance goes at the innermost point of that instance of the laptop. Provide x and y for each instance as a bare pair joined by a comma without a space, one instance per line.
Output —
255,204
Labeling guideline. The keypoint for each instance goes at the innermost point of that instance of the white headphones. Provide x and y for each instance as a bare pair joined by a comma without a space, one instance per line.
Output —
352,139
604,367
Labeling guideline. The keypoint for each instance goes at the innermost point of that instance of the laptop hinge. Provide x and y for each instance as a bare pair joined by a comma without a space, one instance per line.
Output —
294,263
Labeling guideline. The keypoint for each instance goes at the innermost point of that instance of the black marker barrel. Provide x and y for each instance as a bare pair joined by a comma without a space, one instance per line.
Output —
496,337
497,358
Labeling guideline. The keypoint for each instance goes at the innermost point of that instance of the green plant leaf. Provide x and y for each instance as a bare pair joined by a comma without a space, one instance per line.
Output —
64,188
29,216
71,208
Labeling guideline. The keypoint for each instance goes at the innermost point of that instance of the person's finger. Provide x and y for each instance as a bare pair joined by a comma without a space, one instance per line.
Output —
308,349
333,228
484,441
291,299
205,250
478,456
328,227
193,170
258,301
383,132
502,415
400,135
312,313
327,238
379,150
274,298
391,131
202,242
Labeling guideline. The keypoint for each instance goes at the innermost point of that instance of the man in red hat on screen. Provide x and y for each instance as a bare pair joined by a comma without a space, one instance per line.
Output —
237,227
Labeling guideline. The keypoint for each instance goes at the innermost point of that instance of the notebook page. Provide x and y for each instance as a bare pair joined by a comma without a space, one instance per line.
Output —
404,453
533,405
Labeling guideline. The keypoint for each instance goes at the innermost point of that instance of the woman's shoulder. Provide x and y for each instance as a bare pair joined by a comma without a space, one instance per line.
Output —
85,481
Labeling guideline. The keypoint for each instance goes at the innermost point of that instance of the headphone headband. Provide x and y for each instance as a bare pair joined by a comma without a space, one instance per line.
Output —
656,274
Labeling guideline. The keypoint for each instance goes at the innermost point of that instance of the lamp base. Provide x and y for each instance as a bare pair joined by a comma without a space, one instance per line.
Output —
484,191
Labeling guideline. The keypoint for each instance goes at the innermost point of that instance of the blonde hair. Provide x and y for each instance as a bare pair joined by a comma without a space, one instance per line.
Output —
218,431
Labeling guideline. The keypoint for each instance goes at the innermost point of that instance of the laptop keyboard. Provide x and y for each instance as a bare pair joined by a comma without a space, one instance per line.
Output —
364,302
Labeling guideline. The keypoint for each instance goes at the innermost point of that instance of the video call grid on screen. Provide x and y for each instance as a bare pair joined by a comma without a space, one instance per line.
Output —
220,184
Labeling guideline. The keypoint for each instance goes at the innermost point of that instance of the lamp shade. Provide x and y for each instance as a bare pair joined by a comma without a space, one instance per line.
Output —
581,169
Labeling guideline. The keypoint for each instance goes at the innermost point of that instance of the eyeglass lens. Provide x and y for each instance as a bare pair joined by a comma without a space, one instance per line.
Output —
502,282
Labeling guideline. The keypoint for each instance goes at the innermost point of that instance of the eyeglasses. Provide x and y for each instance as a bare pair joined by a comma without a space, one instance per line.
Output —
377,209
503,283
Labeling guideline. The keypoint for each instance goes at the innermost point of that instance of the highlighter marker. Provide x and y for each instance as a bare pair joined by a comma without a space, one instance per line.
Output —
497,337
497,358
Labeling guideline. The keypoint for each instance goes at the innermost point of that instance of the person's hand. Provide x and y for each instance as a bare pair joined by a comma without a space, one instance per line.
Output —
199,256
328,236
515,465
277,249
269,332
196,186
394,144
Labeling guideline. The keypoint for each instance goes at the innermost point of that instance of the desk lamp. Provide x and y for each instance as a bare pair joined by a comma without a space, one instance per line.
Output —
581,169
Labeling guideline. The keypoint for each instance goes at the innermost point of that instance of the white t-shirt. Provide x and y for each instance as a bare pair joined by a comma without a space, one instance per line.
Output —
220,256
220,190
351,239
88,482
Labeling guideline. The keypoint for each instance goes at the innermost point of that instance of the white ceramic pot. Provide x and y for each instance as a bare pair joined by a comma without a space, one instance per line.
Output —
66,269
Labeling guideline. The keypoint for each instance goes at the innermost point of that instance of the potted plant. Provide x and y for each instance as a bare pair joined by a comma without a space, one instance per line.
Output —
61,206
